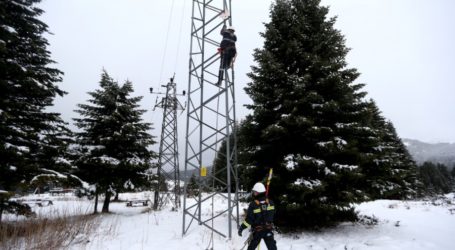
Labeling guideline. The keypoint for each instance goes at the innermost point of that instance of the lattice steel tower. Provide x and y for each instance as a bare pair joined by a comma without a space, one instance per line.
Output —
168,189
210,121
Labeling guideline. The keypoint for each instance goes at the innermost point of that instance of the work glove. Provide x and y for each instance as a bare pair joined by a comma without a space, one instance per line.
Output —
240,231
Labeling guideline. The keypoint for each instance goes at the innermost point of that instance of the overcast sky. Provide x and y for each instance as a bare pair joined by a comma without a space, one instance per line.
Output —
404,50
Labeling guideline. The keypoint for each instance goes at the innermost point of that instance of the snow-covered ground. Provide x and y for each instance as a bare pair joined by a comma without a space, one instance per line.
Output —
401,225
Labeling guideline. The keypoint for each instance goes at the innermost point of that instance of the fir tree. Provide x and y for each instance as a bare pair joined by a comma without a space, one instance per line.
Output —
436,178
219,166
55,157
193,187
307,116
114,141
390,172
310,121
28,88
405,173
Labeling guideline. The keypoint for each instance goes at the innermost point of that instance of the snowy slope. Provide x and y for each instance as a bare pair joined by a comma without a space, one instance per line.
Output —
401,225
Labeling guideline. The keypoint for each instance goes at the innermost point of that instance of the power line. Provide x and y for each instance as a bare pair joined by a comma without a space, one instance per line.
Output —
167,39
180,35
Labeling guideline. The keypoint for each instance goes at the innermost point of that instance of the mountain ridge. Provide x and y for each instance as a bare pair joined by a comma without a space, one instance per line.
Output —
443,153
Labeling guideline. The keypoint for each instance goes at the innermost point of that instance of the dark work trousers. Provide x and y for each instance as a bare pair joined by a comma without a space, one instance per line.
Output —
267,236
227,55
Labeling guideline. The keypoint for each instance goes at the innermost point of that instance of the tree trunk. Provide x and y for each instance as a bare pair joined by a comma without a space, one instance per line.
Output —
116,196
1,210
107,199
96,201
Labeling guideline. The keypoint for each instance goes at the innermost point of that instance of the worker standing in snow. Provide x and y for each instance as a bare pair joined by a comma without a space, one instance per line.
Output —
259,217
227,50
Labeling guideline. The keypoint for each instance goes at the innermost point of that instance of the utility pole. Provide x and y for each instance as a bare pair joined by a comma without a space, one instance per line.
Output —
211,120
168,189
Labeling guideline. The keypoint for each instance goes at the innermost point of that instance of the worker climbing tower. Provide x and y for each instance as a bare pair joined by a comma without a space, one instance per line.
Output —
168,187
210,121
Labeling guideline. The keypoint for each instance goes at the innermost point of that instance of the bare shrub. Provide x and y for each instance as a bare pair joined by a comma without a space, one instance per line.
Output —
368,220
42,233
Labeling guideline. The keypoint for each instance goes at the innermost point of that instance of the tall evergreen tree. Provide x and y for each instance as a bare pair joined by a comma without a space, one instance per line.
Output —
390,173
55,159
28,87
193,186
219,165
436,178
114,140
310,121
307,116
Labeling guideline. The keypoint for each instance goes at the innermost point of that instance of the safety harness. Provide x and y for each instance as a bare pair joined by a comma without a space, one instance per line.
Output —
228,39
263,209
